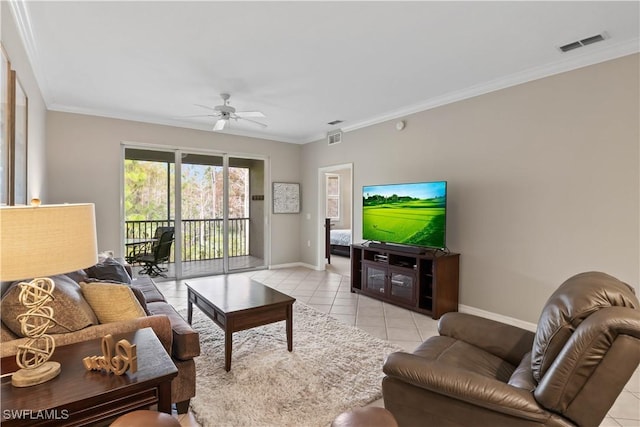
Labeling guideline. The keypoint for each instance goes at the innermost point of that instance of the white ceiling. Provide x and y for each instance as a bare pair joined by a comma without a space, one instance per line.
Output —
304,64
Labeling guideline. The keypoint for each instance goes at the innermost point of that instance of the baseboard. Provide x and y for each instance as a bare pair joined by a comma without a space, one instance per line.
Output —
293,264
497,317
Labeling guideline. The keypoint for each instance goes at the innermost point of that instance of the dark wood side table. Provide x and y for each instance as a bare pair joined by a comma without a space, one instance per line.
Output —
236,303
81,397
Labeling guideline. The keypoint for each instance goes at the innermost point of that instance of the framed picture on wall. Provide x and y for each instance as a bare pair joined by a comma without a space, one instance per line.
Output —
286,197
18,146
5,160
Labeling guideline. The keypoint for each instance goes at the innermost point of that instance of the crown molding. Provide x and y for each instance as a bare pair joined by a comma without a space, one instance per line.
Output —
595,56
133,117
23,22
320,136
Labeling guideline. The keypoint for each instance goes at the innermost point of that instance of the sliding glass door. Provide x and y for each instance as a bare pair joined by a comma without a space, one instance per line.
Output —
149,204
202,212
218,211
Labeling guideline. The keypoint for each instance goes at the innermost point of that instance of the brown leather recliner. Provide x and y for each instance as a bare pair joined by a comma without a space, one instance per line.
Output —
479,372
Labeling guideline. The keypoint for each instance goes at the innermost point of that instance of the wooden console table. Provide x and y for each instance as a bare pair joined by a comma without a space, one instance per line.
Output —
81,397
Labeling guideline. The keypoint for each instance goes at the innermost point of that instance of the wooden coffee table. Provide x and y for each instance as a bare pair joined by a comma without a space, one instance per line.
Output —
236,303
81,397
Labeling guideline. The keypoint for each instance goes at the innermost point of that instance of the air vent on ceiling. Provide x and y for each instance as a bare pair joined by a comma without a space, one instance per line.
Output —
335,122
584,42
334,137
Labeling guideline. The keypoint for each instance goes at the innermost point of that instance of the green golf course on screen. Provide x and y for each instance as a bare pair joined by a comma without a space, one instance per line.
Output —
409,214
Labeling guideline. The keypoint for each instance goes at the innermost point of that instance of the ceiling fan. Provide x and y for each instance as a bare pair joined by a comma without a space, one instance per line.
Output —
226,112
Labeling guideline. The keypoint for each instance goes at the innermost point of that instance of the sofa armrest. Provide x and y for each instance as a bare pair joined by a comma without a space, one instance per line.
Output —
505,341
186,340
160,325
464,385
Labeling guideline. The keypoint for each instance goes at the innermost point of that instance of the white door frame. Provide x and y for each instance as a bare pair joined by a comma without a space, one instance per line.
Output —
320,258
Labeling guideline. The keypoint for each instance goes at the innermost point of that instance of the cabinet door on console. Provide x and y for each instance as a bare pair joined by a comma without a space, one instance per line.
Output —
375,278
402,286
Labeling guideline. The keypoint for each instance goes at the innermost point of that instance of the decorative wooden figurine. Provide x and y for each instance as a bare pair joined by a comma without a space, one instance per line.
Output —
125,357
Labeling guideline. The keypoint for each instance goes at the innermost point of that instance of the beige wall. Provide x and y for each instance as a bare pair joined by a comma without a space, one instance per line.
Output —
346,201
84,164
543,181
14,48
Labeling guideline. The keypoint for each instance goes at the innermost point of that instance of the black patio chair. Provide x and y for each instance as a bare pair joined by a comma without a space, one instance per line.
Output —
159,253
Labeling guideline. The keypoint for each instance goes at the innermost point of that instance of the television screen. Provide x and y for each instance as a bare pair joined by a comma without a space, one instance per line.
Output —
409,214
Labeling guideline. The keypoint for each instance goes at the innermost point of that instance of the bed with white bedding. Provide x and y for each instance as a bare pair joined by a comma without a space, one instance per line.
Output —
340,237
337,241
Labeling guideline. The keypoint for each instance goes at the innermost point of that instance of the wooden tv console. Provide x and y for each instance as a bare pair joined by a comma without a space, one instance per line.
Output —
425,282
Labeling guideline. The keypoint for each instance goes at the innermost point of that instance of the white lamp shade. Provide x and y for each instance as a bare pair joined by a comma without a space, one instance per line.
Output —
40,241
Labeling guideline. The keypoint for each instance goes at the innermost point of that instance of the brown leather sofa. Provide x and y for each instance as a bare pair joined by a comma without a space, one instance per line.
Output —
479,372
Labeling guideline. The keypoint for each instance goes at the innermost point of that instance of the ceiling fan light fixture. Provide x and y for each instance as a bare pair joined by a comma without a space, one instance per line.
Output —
226,112
220,124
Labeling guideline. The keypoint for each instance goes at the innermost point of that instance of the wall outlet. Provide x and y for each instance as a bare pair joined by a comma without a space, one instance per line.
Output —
308,243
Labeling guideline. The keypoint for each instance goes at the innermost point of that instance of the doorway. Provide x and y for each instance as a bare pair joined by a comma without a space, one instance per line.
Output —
335,203
213,202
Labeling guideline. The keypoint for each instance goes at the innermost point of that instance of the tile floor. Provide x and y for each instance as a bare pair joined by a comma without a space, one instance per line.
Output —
328,291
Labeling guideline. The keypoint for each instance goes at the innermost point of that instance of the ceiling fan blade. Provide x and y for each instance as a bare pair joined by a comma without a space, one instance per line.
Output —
205,106
199,115
253,121
220,124
244,114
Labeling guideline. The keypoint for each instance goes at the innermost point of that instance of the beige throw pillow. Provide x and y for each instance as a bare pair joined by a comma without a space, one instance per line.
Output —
112,302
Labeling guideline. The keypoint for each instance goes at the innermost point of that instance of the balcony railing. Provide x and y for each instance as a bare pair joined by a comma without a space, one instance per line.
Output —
202,239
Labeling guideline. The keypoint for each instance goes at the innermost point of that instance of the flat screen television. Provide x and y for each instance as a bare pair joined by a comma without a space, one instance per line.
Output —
412,214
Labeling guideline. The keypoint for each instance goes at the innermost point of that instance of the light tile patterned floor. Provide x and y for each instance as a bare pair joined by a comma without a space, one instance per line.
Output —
328,291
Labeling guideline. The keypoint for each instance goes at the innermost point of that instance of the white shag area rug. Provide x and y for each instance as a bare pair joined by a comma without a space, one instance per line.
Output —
333,368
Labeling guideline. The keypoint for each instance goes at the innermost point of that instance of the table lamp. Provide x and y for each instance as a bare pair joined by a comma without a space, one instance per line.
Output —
37,241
